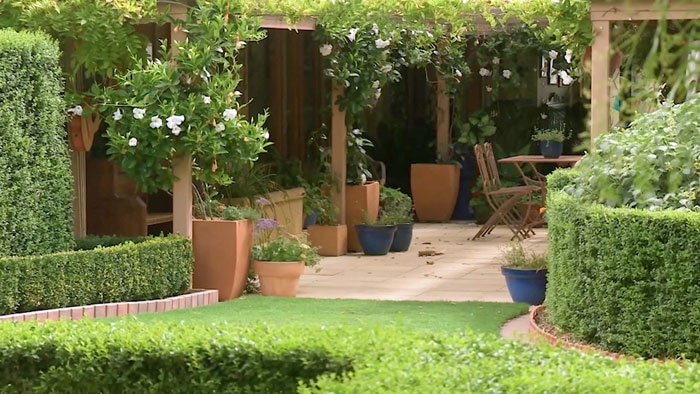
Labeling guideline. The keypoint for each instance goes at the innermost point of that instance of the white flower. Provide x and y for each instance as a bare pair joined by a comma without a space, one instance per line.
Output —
176,130
543,116
375,28
220,127
377,94
206,99
230,114
363,178
375,85
356,132
240,44
117,114
553,54
236,93
496,60
351,35
506,74
386,68
458,73
566,79
156,122
484,72
325,49
138,113
568,55
266,135
381,44
174,121
76,111
133,141
489,89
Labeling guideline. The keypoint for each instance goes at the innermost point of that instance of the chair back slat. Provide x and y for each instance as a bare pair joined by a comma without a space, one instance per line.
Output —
489,172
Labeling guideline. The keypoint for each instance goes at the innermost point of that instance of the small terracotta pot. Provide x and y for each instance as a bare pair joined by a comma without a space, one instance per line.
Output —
279,279
330,240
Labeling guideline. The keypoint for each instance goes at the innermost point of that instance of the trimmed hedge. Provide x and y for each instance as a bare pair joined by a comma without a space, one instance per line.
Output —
129,356
155,268
93,241
36,186
625,279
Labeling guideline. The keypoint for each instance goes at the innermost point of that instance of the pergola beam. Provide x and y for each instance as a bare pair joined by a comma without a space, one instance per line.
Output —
643,10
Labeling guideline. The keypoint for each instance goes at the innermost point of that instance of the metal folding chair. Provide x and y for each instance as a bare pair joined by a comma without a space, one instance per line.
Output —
503,200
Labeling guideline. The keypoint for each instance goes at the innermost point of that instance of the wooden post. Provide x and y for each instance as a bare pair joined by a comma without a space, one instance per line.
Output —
277,87
295,95
78,167
600,71
443,119
338,153
182,196
182,166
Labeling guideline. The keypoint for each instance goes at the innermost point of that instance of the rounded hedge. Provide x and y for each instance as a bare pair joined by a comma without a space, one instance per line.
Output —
625,279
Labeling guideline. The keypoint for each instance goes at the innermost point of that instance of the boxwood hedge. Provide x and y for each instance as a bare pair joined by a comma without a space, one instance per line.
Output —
625,279
130,356
155,268
36,186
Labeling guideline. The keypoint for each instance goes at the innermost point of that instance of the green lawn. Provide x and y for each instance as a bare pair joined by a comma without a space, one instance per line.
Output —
414,315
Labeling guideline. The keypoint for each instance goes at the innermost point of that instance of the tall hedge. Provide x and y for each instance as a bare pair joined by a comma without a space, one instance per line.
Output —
625,279
35,179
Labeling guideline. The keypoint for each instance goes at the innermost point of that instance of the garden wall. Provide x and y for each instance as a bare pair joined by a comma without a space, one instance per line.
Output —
625,279
36,189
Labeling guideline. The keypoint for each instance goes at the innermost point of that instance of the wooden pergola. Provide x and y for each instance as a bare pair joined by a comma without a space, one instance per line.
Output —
603,13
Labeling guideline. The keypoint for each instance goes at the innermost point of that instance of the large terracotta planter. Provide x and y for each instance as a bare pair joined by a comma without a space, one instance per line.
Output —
286,206
360,201
434,188
330,240
279,279
222,255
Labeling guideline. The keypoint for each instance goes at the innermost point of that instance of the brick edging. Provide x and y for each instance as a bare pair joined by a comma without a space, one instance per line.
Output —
194,298
552,339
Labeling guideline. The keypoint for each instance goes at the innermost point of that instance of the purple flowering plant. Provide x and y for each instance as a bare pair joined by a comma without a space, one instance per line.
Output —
273,243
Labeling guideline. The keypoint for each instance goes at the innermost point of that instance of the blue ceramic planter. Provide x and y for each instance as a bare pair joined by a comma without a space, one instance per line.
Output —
526,285
310,219
402,237
375,240
551,149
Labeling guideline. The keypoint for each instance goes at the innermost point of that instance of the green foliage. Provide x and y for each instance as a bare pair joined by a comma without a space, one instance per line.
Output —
395,206
187,104
625,279
476,129
652,165
560,178
326,210
36,186
87,356
155,268
93,241
286,248
515,256
550,135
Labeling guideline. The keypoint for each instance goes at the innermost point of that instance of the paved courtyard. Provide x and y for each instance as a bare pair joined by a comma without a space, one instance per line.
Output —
461,269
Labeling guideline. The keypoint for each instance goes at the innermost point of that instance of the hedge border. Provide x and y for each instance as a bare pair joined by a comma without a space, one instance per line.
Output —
195,298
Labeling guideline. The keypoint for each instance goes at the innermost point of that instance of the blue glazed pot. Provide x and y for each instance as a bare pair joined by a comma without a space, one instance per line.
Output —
551,149
402,237
526,285
375,240
310,219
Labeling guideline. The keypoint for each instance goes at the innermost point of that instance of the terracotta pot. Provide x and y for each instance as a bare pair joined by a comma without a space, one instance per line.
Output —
330,240
81,130
222,255
279,279
434,188
360,200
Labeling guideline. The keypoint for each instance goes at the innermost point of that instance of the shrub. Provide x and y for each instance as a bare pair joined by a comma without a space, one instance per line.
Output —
561,178
93,241
36,189
129,356
652,165
155,268
625,279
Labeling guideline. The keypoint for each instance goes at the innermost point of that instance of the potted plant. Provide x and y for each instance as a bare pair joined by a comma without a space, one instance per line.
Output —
330,237
525,273
376,236
551,141
222,237
396,208
361,192
280,260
